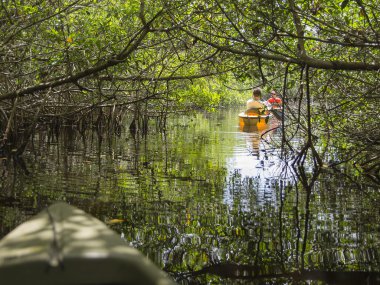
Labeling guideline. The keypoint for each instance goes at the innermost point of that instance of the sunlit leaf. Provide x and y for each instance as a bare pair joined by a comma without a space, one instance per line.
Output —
116,221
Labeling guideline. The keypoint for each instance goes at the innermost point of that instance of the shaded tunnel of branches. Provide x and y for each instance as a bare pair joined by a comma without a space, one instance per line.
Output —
325,67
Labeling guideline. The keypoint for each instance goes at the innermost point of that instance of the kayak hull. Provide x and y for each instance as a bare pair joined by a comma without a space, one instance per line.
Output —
250,122
278,113
64,245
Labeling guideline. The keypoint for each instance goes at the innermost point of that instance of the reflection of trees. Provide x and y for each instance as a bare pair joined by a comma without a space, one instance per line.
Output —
167,192
258,132
273,242
249,272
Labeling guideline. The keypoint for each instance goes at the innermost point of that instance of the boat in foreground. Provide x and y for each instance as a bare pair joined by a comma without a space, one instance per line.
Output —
64,245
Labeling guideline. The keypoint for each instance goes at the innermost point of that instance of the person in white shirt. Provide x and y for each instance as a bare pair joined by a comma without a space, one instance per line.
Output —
255,105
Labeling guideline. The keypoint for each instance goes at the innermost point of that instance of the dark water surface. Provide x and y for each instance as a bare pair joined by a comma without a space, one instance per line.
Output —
206,202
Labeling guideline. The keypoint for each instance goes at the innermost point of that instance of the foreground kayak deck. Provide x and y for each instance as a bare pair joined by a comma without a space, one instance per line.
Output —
64,245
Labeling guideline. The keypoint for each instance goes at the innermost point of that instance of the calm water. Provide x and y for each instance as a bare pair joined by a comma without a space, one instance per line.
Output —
206,201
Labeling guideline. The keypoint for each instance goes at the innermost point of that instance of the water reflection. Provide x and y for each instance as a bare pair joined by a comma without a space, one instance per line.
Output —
203,200
254,166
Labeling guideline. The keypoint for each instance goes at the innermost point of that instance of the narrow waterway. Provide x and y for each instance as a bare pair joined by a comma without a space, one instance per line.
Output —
206,201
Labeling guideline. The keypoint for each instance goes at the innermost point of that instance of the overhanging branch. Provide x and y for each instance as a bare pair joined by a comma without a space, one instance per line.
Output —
119,58
305,60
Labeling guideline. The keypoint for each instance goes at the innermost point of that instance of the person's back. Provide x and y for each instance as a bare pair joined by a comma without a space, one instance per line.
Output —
252,103
255,105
